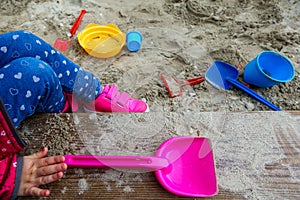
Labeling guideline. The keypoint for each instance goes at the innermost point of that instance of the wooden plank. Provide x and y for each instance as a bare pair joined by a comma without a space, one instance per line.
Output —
257,154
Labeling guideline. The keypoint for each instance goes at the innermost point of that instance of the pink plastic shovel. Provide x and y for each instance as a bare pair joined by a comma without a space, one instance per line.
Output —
63,45
183,165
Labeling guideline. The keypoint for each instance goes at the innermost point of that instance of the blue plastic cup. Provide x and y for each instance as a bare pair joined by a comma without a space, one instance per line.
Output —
134,40
269,68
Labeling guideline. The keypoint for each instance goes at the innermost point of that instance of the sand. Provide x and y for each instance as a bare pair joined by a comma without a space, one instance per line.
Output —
180,38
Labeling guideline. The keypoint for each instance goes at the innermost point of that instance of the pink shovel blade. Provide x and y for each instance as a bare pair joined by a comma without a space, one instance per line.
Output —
61,45
191,171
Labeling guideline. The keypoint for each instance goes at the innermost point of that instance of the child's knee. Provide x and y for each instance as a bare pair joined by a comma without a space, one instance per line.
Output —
27,68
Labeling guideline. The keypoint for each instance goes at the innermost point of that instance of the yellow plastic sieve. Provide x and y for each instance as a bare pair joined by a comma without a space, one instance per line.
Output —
101,41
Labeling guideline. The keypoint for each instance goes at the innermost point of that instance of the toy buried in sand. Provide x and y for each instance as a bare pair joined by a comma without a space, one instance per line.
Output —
102,41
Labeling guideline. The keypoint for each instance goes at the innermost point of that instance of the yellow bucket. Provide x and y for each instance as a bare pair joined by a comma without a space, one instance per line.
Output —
101,41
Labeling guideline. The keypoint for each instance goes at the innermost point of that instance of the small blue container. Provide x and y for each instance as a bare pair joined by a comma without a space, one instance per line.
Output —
134,40
269,68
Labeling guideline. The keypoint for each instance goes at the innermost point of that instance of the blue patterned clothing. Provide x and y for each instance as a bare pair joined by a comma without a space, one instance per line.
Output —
34,76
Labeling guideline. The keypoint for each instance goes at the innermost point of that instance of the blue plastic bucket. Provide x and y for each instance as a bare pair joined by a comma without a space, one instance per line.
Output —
269,68
134,40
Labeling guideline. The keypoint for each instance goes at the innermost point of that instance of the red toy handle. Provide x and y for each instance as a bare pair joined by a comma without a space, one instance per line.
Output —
77,22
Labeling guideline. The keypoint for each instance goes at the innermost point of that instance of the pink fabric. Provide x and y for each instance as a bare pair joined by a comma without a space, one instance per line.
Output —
9,147
8,168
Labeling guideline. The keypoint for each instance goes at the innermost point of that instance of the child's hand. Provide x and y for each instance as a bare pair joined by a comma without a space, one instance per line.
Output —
38,170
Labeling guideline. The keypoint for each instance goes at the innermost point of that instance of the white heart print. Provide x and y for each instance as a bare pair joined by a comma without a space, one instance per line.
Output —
3,133
46,53
36,79
22,107
65,62
28,94
3,49
18,75
1,76
53,51
38,42
15,37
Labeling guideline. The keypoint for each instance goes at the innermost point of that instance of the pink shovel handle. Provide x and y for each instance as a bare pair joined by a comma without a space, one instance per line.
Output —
77,22
123,162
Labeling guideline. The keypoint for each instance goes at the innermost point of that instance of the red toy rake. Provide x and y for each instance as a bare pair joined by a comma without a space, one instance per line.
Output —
175,86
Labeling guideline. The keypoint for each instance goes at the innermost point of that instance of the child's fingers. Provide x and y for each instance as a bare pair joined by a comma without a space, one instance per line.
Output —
50,161
38,192
50,178
51,169
42,153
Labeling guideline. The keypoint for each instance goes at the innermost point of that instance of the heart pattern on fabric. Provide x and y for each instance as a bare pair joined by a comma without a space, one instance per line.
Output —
35,79
28,94
38,42
28,46
22,107
4,49
8,106
32,107
43,58
18,75
15,37
15,54
24,63
56,64
13,91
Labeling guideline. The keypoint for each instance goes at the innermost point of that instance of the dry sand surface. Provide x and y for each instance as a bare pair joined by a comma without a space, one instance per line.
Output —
182,38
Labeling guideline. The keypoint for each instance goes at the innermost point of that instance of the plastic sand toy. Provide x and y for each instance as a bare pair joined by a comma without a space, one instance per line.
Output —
102,41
